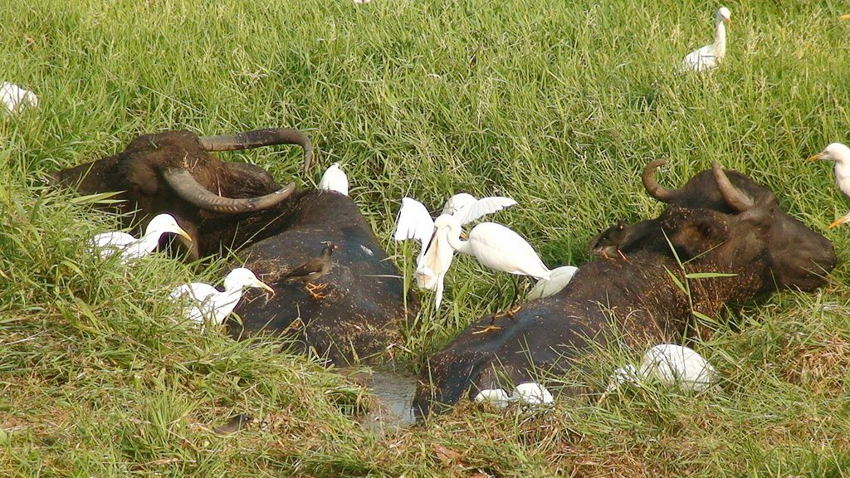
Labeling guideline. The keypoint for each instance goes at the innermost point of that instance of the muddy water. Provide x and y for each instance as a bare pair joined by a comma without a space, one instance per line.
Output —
393,393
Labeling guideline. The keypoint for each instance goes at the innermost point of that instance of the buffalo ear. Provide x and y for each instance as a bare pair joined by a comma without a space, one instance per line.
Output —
698,236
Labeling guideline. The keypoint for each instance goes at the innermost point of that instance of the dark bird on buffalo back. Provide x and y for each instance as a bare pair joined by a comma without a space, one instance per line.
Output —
314,269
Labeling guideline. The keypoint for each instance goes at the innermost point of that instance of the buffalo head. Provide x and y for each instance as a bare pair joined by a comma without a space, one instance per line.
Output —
173,172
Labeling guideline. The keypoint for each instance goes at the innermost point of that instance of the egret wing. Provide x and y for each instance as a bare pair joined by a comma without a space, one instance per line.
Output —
414,222
483,207
458,202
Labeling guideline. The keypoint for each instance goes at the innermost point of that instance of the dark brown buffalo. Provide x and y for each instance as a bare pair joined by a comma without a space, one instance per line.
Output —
719,222
228,206
173,172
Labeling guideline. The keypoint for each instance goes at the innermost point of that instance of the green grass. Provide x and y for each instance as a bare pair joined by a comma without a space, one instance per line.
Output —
556,104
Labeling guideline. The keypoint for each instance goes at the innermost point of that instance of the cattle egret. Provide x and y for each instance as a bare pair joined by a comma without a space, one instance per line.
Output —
710,56
532,393
496,247
435,257
670,364
314,269
128,247
561,276
15,98
458,202
334,180
207,303
496,397
841,155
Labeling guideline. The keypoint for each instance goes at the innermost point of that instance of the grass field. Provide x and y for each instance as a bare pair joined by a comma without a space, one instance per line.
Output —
556,104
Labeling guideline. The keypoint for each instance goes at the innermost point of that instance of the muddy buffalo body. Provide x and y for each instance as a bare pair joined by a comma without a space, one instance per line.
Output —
720,222
240,207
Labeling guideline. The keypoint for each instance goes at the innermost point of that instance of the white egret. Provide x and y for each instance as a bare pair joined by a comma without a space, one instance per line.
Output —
561,276
532,393
205,302
496,397
334,179
841,155
496,247
710,56
15,99
458,202
672,365
128,247
435,257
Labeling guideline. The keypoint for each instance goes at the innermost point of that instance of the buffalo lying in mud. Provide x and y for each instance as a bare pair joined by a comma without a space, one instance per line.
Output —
719,222
275,229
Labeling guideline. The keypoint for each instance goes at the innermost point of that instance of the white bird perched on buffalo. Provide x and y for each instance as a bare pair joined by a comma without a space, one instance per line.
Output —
334,179
435,257
15,99
206,303
671,365
711,55
561,277
128,247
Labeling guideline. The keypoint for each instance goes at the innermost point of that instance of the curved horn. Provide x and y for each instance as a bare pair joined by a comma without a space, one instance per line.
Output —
258,138
652,187
737,199
189,189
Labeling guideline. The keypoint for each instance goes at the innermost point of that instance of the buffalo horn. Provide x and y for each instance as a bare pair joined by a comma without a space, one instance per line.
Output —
737,199
189,189
652,187
258,138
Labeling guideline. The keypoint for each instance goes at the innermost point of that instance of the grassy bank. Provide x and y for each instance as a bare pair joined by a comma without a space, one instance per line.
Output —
558,106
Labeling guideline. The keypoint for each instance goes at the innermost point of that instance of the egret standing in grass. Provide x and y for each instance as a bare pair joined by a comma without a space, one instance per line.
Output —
205,302
711,55
334,179
435,257
15,99
128,247
841,155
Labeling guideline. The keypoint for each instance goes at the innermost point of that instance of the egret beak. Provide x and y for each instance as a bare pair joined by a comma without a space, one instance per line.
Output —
463,235
182,233
265,287
815,157
729,23
841,220
844,17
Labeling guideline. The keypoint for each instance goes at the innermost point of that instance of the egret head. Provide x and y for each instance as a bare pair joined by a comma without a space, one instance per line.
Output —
724,15
241,278
163,223
833,152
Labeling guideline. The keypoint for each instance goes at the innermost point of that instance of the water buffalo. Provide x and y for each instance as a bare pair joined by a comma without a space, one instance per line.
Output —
719,222
273,229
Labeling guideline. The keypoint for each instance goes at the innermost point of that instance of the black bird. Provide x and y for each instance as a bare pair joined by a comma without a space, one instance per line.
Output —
313,270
